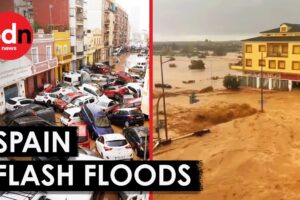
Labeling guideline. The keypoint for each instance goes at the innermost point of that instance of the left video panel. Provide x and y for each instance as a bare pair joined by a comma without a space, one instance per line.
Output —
86,66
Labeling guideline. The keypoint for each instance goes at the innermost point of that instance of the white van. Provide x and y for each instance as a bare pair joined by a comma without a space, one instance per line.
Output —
73,79
90,89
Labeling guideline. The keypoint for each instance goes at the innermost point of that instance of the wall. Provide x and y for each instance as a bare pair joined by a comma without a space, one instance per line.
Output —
59,13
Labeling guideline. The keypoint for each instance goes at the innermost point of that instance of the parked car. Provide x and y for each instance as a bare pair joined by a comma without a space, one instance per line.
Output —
114,146
96,120
137,78
101,68
83,135
73,79
99,78
30,121
115,92
16,102
46,98
108,105
135,89
127,117
61,104
31,110
82,100
138,137
61,91
138,68
125,76
90,89
70,116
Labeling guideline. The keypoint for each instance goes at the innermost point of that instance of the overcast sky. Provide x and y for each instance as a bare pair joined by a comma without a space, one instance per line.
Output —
138,11
190,20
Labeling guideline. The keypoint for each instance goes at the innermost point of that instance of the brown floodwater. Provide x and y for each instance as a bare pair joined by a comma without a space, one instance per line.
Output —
215,66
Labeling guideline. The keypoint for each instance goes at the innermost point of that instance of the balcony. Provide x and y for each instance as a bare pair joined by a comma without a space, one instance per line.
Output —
65,58
236,67
44,66
277,54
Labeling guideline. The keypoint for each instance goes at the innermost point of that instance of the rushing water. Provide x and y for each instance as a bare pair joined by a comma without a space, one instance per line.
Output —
215,66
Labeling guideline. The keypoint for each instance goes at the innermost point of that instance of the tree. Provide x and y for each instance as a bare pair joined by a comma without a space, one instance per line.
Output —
231,82
220,51
197,64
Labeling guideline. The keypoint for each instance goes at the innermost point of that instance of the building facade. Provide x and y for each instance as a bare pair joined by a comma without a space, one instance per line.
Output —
22,7
108,29
272,59
89,48
62,50
63,15
43,64
120,28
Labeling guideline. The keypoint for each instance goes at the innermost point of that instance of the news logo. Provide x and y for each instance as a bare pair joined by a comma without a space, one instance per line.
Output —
16,36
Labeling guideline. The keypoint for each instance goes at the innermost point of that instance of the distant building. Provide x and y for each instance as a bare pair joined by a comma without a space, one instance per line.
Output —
22,7
277,53
62,50
43,64
108,29
63,15
121,28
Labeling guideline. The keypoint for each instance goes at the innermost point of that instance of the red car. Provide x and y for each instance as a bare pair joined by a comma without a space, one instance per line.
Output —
83,135
62,103
100,68
125,76
115,92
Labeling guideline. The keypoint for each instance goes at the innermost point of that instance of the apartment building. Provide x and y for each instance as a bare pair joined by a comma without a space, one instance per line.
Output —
43,63
63,15
120,28
23,7
274,56
62,50
108,29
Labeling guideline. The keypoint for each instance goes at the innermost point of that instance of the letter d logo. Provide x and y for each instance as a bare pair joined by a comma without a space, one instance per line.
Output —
16,36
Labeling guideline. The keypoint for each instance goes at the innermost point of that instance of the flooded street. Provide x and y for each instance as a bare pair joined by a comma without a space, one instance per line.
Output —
215,66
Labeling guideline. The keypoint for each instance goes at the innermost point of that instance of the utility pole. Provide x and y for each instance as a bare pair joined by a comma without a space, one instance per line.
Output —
261,85
164,97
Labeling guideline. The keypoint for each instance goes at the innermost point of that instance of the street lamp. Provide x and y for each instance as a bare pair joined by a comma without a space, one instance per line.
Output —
50,13
163,96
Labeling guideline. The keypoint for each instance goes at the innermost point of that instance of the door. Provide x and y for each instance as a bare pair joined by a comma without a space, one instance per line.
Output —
11,91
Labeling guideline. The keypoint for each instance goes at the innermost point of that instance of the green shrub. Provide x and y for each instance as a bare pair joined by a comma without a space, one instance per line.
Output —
197,64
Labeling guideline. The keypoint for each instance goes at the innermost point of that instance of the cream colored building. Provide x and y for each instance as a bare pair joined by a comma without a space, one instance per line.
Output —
276,55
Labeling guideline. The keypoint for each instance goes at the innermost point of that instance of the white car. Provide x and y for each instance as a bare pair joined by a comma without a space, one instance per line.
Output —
107,104
73,79
135,89
114,146
99,78
61,91
70,116
137,78
78,102
46,98
16,102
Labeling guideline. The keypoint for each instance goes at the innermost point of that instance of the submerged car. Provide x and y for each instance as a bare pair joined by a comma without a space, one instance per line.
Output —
16,102
138,137
61,104
127,117
83,135
30,121
46,98
96,120
114,146
47,114
70,116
